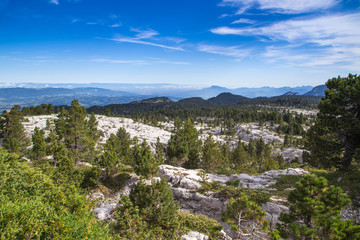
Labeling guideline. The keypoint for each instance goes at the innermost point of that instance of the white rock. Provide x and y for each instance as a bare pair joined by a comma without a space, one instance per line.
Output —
104,212
194,236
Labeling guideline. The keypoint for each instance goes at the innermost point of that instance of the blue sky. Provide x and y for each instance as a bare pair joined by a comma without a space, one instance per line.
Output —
232,43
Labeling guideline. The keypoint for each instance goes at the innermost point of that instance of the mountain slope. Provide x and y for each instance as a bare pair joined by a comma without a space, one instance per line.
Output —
227,99
317,91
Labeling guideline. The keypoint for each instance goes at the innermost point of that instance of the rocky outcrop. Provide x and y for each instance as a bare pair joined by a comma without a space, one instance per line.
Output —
190,179
273,211
184,183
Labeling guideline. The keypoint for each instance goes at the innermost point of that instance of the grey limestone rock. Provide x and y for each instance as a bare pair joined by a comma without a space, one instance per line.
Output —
273,211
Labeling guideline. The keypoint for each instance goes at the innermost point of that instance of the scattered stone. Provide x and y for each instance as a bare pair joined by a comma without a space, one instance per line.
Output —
351,213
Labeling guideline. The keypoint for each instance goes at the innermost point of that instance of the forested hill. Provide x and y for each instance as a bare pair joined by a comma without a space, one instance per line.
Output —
223,99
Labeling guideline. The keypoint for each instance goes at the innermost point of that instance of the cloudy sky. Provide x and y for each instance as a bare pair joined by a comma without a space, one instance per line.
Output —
232,43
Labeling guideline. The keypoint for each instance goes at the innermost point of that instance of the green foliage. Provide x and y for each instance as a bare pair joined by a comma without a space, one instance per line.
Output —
121,144
200,223
51,143
92,128
39,146
247,215
334,139
32,206
12,131
159,152
231,191
78,134
42,109
212,155
315,212
149,211
184,145
146,164
239,158
108,159
347,181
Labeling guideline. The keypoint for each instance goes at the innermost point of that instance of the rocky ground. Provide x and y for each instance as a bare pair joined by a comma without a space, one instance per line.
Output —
185,182
109,125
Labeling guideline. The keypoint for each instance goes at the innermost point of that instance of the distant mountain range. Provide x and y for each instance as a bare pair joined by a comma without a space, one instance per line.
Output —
222,100
91,96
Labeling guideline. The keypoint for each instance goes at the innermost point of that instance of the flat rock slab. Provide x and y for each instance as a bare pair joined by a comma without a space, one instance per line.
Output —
190,179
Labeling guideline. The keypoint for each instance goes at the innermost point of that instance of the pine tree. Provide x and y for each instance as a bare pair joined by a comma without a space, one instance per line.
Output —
334,138
92,128
211,155
315,212
123,149
12,131
159,152
73,129
247,215
64,162
51,141
239,158
226,155
39,145
145,163
156,205
184,146
108,159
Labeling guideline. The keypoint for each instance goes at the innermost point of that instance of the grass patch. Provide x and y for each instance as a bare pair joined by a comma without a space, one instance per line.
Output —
199,223
283,183
230,191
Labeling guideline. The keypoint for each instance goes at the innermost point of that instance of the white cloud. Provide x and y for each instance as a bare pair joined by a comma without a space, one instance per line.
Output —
326,30
116,25
231,51
56,2
244,20
325,40
144,34
136,40
281,6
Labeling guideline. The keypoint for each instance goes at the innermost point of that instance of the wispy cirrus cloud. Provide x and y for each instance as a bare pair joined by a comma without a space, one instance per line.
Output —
147,37
115,25
137,62
320,41
280,6
132,40
56,2
244,20
144,34
231,51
